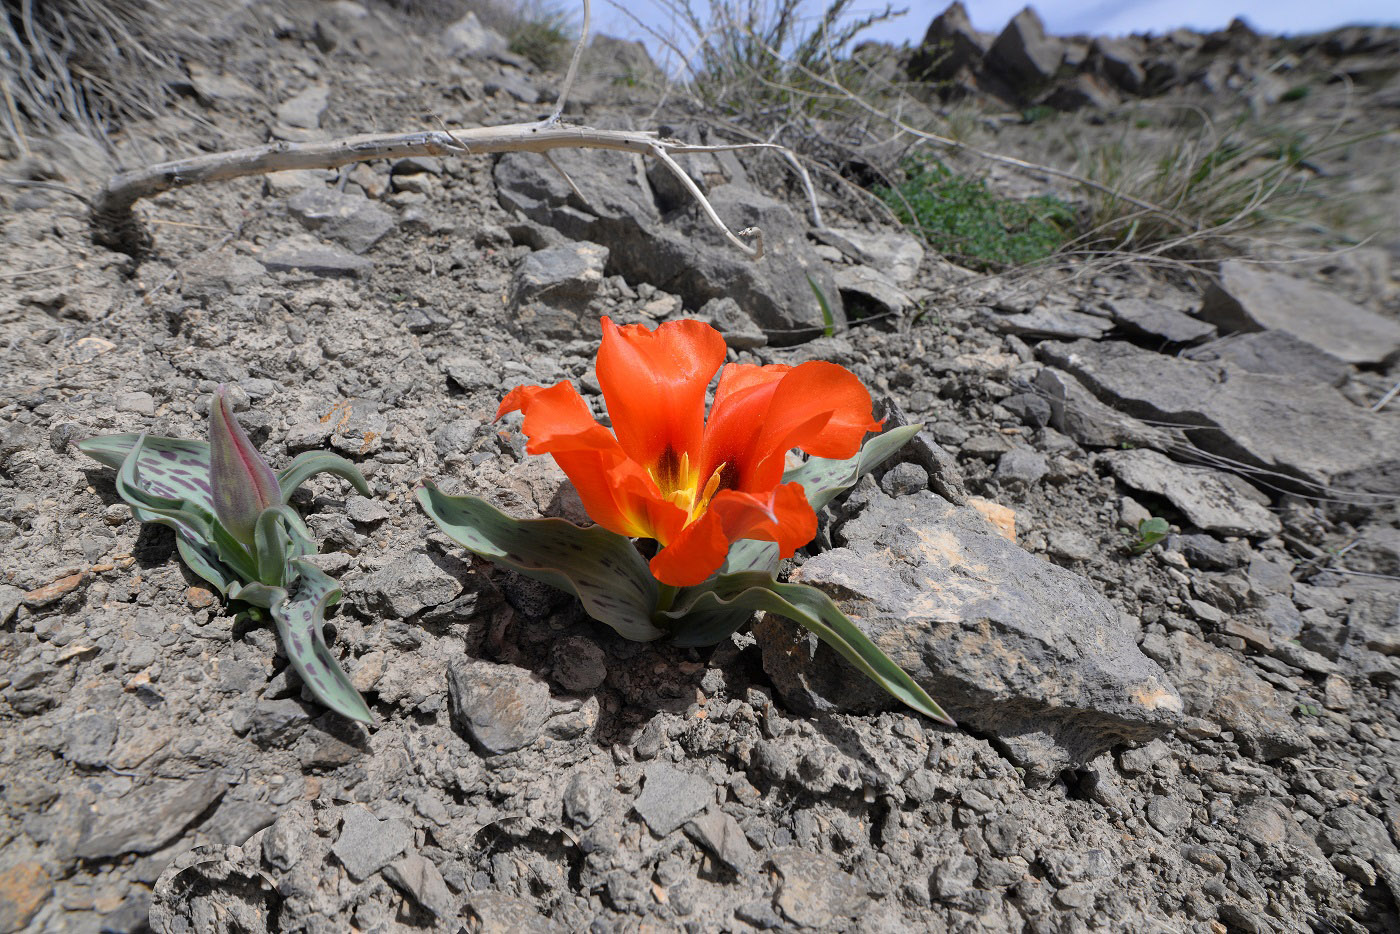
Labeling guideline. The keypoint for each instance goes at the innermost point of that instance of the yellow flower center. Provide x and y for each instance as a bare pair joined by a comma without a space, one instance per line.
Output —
679,483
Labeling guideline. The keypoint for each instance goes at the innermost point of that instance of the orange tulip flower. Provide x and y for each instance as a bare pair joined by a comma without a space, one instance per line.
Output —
666,472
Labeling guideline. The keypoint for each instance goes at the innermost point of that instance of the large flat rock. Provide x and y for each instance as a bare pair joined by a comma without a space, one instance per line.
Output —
1008,643
1248,298
661,236
1211,500
1298,435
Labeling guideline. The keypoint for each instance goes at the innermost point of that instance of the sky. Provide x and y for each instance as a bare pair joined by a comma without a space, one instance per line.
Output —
1093,17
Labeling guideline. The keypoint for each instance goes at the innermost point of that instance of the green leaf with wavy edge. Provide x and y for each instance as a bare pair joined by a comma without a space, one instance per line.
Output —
753,591
299,620
599,567
307,465
169,467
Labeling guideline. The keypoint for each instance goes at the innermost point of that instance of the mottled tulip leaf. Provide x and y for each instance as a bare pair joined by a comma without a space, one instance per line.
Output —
599,567
307,465
822,479
755,591
203,560
299,623
168,467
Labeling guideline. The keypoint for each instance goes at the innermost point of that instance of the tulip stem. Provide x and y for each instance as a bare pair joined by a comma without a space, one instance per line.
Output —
665,596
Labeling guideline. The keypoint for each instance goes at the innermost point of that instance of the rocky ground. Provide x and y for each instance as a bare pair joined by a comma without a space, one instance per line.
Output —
1202,737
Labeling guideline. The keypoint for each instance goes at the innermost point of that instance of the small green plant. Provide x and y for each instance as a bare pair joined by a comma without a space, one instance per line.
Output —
961,217
234,528
1296,93
1149,532
1309,710
541,32
1037,113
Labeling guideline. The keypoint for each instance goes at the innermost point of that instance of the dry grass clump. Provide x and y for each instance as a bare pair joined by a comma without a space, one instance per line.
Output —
84,65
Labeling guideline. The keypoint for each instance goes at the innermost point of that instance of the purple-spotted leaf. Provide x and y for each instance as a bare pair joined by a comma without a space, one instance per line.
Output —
243,483
599,567
299,622
168,467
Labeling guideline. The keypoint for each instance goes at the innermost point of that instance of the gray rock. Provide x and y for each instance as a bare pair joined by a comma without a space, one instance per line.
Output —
579,664
470,373
1156,321
567,275
513,86
868,293
953,876
501,708
1082,417
305,109
1031,408
89,739
1049,321
903,479
950,45
1168,814
147,818
739,330
367,844
10,600
671,797
468,38
236,820
1248,298
895,254
682,253
285,841
586,798
366,511
1071,545
219,273
718,832
308,255
1079,92
1006,642
1211,500
417,165
351,220
418,878
1211,554
1217,687
1120,61
1310,436
1021,466
1023,53
813,891
404,587
1277,353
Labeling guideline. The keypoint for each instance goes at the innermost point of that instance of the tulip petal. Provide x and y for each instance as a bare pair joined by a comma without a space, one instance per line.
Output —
243,484
783,516
654,383
616,492
760,413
